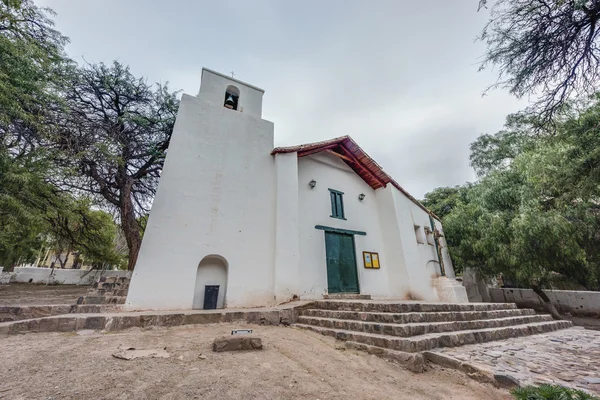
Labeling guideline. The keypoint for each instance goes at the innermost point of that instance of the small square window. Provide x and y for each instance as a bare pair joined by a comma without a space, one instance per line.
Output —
337,204
419,234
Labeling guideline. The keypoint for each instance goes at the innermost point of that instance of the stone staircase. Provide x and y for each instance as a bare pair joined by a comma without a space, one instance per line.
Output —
108,290
411,327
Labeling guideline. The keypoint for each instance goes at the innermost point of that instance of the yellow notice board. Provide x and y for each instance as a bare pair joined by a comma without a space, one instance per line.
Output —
371,259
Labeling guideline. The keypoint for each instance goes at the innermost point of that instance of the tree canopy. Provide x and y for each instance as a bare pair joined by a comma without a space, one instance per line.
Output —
544,49
78,144
534,215
113,137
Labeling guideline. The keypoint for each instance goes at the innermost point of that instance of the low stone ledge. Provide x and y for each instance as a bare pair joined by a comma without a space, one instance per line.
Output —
476,373
414,362
237,342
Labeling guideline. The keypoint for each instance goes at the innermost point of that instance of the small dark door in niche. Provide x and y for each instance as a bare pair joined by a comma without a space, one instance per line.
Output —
211,294
342,276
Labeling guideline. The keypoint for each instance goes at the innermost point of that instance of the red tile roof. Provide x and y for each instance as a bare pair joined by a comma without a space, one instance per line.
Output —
350,152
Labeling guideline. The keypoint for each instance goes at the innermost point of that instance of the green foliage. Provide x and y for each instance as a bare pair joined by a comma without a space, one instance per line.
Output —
73,139
22,193
115,132
550,392
30,71
533,217
445,199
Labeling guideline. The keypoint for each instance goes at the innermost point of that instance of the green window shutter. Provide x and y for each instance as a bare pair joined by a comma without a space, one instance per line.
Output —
337,204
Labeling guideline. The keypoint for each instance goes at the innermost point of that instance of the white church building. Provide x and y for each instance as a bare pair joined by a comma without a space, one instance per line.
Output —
239,223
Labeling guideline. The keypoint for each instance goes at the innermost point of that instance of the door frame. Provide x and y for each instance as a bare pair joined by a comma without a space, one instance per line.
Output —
346,233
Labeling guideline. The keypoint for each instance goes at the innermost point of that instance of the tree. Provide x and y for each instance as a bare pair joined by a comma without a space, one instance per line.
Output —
443,200
504,229
544,48
490,152
30,70
22,198
113,140
534,215
74,227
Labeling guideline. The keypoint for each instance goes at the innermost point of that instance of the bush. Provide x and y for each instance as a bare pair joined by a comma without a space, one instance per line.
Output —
550,392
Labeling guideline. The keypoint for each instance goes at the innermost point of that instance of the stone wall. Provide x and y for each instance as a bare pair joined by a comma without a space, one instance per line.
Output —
58,276
571,301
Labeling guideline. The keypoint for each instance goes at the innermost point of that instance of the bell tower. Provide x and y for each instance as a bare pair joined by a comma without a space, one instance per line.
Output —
215,201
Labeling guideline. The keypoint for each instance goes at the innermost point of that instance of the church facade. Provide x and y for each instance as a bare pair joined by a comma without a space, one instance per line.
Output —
239,223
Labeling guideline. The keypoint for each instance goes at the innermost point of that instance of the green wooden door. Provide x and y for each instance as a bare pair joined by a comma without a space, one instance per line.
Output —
341,263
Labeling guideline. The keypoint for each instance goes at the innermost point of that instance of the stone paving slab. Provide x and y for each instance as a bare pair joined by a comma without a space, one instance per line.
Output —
569,357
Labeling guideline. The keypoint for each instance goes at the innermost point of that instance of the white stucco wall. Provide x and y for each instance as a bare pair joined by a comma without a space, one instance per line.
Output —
571,301
397,274
287,244
59,276
315,209
408,214
213,89
216,196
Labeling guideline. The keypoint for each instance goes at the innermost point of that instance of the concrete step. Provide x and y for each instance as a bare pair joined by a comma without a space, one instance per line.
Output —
102,300
114,321
405,307
423,328
18,313
448,339
415,317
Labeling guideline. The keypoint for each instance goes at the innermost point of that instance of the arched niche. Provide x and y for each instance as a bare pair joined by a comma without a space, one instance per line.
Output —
232,97
212,271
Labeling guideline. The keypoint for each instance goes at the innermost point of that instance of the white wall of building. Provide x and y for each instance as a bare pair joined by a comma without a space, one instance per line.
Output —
408,215
58,276
216,196
287,273
315,209
213,89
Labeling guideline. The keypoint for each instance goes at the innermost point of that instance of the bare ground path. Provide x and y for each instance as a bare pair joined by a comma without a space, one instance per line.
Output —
295,364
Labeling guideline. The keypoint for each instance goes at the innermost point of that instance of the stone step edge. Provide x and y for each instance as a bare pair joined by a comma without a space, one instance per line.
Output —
474,372
541,317
367,306
414,362
20,313
517,312
119,321
414,340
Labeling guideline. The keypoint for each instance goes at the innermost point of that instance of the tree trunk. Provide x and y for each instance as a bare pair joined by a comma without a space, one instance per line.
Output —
547,303
129,224
60,260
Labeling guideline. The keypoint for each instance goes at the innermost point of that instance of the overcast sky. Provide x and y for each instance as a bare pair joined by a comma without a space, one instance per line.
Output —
399,76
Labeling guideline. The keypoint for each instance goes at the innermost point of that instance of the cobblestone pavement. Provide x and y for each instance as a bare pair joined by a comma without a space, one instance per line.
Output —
569,357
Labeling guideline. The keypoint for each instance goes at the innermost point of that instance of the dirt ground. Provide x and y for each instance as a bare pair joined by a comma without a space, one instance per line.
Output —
29,294
294,364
